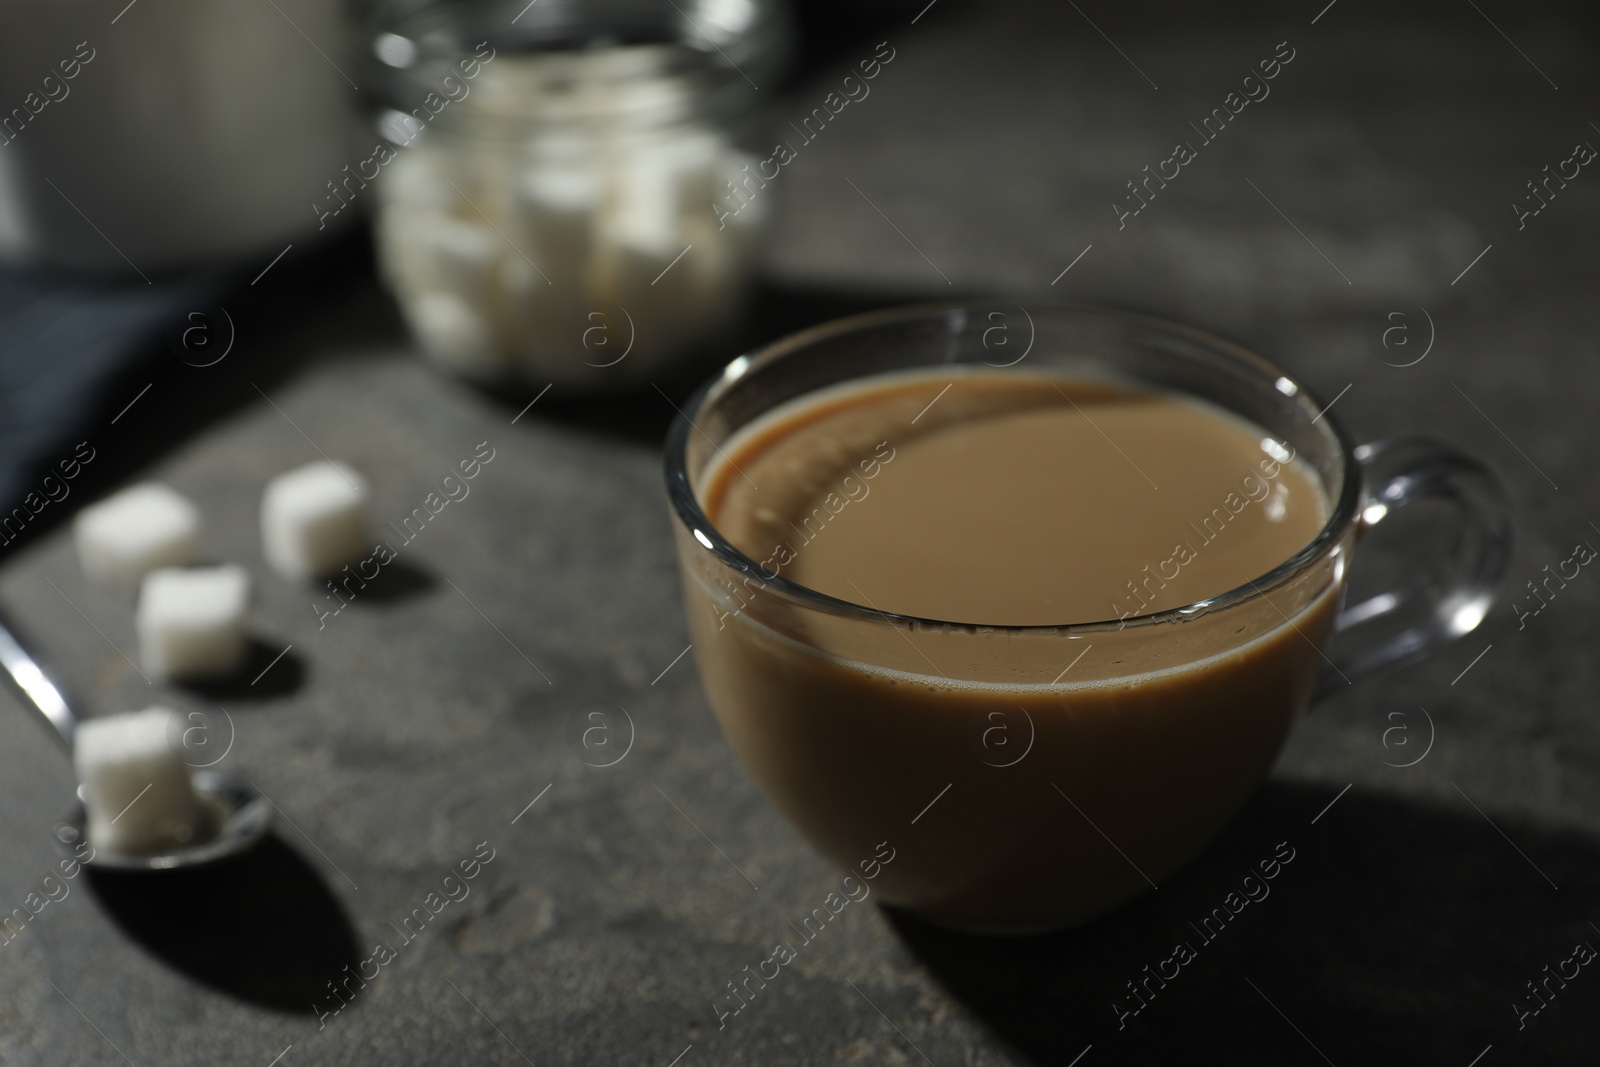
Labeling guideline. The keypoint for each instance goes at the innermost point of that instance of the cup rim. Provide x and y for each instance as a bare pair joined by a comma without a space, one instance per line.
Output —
686,507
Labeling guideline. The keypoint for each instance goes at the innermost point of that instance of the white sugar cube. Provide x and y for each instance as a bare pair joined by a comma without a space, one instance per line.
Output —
134,531
644,214
135,788
465,255
696,159
552,219
414,179
560,185
314,520
748,201
455,335
191,623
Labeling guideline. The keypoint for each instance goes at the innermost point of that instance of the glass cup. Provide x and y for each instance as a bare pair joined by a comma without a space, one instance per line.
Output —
1023,778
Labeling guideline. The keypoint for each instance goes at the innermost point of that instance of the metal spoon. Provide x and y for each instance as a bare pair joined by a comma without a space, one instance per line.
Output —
240,815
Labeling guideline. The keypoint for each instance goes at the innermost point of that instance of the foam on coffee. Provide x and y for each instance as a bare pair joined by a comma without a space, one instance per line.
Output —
1014,500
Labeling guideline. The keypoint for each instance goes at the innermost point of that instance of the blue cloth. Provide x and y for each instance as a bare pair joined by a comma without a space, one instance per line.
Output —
63,341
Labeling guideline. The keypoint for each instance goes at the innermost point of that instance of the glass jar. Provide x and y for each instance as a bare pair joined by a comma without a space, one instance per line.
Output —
564,197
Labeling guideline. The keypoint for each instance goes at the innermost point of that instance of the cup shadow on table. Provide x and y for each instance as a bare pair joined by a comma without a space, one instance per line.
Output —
261,926
1399,933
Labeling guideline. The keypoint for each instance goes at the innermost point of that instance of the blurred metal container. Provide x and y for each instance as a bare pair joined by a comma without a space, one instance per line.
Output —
565,192
163,133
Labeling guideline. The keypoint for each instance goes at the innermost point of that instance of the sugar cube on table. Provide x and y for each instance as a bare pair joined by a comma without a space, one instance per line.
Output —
136,789
314,520
134,531
192,622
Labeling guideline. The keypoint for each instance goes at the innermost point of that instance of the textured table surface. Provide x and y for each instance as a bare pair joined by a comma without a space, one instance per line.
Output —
422,721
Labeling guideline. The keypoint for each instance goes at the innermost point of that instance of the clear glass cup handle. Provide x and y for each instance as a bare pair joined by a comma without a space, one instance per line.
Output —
1450,594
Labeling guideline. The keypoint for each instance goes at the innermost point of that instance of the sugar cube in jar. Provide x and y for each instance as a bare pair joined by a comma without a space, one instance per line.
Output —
589,163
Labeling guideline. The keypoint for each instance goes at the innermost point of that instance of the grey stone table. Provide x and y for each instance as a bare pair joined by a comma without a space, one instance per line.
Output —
1354,219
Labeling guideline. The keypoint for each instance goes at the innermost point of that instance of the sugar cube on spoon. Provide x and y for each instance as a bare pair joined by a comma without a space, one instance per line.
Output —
135,788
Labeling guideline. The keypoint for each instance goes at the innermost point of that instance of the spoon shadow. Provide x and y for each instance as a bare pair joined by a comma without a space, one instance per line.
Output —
260,926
